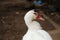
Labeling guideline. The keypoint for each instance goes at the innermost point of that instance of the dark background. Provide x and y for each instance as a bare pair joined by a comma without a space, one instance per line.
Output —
12,25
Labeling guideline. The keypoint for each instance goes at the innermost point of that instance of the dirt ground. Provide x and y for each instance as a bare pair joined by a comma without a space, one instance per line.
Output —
12,26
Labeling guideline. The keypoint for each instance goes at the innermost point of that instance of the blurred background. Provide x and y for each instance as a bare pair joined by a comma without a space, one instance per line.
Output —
12,25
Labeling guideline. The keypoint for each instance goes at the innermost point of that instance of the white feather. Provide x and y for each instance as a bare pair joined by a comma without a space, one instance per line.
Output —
35,31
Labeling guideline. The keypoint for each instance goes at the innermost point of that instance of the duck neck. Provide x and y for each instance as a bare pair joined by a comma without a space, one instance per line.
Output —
32,25
28,21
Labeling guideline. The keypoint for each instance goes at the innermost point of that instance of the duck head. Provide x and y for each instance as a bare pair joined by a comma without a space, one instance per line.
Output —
31,15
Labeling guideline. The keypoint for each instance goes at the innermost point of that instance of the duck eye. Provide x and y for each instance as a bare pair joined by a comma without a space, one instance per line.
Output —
35,13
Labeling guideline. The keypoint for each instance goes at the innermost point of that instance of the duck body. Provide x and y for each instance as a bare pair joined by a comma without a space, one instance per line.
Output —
37,35
35,31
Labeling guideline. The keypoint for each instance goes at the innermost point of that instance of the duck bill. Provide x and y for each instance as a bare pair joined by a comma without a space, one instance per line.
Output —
39,17
42,19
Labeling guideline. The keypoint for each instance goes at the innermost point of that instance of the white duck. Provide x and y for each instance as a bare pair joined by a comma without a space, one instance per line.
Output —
35,31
